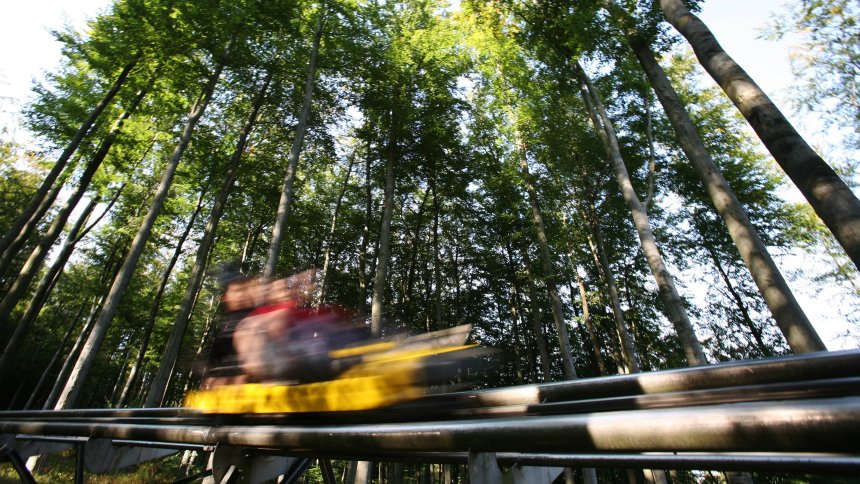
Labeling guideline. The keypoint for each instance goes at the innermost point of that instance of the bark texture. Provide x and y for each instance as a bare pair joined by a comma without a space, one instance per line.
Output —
825,191
89,352
295,150
789,316
666,285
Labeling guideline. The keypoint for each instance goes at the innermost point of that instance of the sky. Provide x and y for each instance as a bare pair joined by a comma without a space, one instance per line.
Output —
29,50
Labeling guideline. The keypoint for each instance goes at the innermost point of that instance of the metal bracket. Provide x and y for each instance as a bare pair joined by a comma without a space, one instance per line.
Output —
103,455
484,469
229,462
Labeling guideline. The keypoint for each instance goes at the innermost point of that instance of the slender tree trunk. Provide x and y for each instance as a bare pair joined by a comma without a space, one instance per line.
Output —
287,188
786,311
126,354
331,230
514,304
413,257
540,339
437,265
44,377
677,313
365,237
7,260
589,326
90,350
549,274
376,310
62,376
828,194
112,267
156,304
742,308
652,156
158,387
45,284
40,252
628,351
24,224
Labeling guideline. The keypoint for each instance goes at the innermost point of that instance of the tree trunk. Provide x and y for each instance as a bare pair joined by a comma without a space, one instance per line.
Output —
384,253
62,376
295,150
828,194
156,304
413,257
789,316
692,348
44,377
540,339
628,351
439,310
516,320
28,219
365,237
7,260
40,252
90,350
742,308
45,285
158,387
331,230
549,274
589,326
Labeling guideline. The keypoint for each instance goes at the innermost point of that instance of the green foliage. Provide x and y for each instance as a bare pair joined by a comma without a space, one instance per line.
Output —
457,97
826,60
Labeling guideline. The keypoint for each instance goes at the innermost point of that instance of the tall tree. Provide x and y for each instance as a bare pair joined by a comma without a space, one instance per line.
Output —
295,150
158,386
773,287
678,314
79,373
828,194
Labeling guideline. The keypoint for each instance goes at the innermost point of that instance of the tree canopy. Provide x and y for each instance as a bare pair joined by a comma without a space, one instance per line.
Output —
552,172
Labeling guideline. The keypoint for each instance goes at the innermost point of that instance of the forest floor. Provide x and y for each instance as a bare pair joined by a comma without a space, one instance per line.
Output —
60,468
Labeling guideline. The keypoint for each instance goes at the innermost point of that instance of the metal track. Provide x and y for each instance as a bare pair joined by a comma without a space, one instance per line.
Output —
798,413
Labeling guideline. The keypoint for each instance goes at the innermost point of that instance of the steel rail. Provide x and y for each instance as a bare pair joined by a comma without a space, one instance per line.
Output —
809,366
726,461
778,391
823,425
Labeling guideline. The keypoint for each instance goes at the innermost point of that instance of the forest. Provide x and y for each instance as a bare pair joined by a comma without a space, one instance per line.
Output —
594,185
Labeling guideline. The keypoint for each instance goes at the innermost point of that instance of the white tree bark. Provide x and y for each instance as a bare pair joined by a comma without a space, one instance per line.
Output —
71,391
666,285
295,150
785,309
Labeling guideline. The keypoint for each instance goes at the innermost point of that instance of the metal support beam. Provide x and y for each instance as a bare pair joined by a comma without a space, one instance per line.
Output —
7,453
327,471
80,455
483,468
104,456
